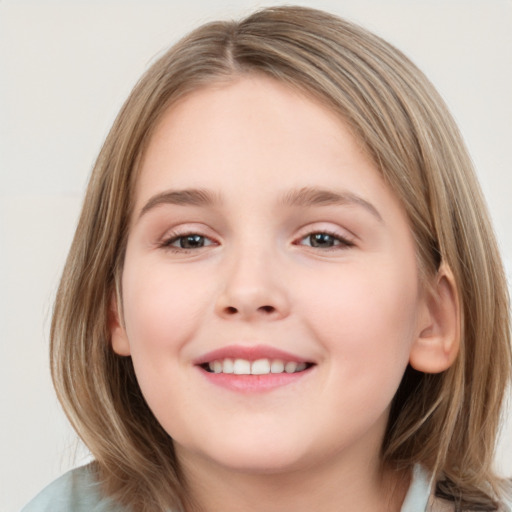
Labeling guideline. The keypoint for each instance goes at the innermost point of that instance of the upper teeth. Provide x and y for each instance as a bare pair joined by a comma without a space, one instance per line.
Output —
258,367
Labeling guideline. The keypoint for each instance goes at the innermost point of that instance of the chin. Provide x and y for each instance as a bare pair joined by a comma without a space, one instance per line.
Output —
254,457
262,464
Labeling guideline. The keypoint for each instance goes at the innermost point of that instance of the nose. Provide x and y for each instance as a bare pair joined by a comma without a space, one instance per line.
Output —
253,289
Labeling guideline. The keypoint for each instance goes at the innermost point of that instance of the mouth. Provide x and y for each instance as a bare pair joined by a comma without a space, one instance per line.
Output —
264,366
253,369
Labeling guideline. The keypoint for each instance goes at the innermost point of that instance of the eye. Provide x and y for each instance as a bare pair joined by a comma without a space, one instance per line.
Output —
323,240
187,241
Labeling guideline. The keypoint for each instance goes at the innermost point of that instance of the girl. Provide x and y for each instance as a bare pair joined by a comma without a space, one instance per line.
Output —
284,292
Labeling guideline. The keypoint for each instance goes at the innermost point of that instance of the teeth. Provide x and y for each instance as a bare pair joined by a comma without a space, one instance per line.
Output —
258,367
277,366
242,367
290,367
227,366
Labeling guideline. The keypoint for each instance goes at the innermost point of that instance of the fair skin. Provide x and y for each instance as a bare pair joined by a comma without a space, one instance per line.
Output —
287,240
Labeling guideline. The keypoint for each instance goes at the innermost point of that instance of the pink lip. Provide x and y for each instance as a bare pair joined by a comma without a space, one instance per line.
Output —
251,383
250,353
254,383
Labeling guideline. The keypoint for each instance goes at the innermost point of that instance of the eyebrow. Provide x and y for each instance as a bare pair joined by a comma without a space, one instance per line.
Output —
308,196
186,197
303,198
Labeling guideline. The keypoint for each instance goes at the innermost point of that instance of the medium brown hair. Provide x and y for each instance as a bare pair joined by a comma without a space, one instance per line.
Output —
448,422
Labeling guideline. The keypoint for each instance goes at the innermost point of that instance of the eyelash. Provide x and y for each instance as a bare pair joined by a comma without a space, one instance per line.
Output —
175,237
343,242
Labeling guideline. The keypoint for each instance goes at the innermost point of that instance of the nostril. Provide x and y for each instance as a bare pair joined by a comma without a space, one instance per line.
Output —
232,311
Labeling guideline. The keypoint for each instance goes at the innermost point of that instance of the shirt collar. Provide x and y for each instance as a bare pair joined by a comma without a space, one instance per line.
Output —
417,496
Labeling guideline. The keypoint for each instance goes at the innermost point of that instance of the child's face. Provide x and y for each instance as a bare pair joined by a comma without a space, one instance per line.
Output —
262,231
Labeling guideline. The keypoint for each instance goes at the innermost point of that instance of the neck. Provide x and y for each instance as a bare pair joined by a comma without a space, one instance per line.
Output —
363,487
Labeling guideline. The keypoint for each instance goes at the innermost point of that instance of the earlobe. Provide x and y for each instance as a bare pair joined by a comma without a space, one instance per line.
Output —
437,344
118,337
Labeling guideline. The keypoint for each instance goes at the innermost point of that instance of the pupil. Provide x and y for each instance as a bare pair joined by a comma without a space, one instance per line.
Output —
191,241
321,240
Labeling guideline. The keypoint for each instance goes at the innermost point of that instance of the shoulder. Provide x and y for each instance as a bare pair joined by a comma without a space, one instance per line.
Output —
76,491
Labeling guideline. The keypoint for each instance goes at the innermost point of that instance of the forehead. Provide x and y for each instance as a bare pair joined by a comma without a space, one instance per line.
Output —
248,116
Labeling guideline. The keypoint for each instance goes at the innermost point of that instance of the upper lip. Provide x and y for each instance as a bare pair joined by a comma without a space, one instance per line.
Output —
249,353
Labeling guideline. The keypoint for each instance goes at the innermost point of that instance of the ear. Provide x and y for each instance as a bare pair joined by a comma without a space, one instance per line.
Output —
438,341
118,337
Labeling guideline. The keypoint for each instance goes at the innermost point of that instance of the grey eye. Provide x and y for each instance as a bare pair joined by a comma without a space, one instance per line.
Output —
321,240
191,241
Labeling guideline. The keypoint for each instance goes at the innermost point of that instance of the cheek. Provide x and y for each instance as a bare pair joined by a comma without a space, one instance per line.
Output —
162,307
367,321
162,310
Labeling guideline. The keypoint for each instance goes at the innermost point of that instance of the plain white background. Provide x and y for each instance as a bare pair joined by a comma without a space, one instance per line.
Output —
65,69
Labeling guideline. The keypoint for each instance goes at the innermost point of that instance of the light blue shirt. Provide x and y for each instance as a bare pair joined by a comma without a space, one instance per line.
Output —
77,491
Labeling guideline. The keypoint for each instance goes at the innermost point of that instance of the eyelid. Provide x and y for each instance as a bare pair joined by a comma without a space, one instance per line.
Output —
328,228
173,239
173,234
344,242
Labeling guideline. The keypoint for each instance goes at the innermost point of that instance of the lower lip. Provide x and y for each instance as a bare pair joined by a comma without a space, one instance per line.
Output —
254,383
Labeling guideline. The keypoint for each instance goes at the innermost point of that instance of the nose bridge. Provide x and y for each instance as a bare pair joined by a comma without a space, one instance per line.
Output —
252,284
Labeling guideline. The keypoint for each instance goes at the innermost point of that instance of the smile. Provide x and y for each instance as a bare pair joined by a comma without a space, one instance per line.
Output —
253,368
259,367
